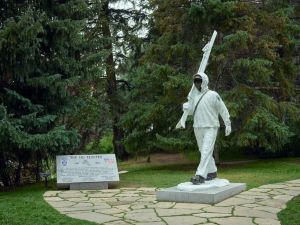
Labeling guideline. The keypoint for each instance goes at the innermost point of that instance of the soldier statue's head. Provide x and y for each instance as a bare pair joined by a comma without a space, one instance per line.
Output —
201,81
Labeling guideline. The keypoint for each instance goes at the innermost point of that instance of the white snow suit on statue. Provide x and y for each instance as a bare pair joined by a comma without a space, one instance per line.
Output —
206,123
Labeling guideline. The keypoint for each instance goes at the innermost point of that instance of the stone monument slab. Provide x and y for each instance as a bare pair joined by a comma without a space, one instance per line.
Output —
211,195
89,186
86,171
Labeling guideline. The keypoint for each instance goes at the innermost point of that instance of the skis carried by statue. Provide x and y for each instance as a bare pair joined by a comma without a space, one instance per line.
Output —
206,53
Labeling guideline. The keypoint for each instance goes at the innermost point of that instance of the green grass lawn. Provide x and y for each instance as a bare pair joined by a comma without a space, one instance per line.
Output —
291,214
254,173
25,205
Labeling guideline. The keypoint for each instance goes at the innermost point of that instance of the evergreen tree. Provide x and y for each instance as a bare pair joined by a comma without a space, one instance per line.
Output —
40,60
251,65
114,30
162,81
254,66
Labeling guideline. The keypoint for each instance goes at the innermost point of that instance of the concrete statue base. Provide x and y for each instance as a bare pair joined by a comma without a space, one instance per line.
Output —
210,192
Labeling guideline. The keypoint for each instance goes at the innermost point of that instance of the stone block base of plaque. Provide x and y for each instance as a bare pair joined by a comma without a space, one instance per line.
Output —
212,195
89,186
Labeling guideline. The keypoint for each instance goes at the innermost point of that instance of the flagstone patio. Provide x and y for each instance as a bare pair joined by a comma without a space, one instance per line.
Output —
257,206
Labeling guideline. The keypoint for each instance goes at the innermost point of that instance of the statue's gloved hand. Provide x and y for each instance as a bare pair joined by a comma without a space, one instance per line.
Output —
180,124
185,106
227,130
186,110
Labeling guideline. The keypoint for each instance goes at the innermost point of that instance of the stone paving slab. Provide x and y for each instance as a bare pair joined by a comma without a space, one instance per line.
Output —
93,216
186,220
127,206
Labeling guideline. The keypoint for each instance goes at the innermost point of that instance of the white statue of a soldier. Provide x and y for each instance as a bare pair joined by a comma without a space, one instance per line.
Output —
205,106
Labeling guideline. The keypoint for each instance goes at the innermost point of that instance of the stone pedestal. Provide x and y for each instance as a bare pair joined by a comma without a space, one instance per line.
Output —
211,195
89,186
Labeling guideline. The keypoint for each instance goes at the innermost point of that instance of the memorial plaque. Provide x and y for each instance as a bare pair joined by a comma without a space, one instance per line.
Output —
86,168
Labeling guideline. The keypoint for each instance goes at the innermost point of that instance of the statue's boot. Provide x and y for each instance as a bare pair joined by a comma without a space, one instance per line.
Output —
211,176
197,179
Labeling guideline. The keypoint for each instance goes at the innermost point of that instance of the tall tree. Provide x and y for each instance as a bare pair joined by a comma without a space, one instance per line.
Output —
114,29
162,81
256,68
40,59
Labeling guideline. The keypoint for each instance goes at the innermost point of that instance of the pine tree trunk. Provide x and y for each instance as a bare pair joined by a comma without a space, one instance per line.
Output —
37,168
114,101
4,174
18,173
119,148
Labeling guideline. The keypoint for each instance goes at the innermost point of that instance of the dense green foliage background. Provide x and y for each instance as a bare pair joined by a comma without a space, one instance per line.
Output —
93,76
40,45
252,65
